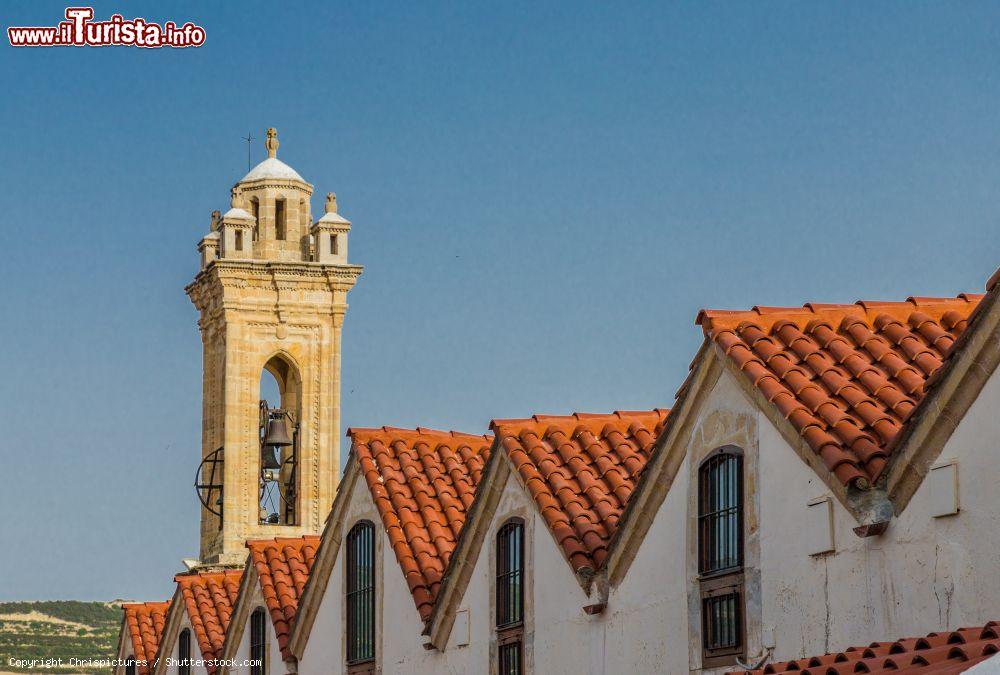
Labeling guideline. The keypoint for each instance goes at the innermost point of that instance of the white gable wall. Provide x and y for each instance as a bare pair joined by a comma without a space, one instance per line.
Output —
174,654
325,651
275,663
647,612
924,574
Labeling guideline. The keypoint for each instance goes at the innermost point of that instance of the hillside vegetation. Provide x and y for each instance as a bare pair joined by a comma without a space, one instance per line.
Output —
58,630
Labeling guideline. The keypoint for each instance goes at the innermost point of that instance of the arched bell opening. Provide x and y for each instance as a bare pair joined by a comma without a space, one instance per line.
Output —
280,396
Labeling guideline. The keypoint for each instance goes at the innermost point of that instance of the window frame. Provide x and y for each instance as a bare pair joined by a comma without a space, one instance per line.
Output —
258,647
509,629
364,664
184,652
721,558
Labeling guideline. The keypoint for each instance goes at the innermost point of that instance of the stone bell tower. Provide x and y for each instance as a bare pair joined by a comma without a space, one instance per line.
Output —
272,294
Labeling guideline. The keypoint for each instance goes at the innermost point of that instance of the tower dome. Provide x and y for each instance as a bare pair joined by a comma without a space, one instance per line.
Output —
272,167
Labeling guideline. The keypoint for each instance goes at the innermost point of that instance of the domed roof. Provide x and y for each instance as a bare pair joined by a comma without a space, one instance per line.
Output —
272,167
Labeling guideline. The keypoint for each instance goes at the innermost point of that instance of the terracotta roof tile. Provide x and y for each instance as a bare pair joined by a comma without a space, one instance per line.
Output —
423,482
209,598
283,566
944,653
847,377
145,621
581,470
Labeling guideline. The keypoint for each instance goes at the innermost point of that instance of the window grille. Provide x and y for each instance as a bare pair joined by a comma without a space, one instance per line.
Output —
720,556
184,652
258,642
510,598
361,597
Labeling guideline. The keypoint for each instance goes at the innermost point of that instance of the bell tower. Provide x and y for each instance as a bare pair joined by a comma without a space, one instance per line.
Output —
271,294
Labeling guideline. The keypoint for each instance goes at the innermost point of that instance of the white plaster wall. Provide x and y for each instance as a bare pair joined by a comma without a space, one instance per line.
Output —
174,654
559,637
275,663
645,626
924,574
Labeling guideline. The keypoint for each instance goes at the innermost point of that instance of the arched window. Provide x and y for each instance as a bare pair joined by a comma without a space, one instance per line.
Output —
130,666
510,598
360,592
184,652
258,642
280,393
720,556
279,220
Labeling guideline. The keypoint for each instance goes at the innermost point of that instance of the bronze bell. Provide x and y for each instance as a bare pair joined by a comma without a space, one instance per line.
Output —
277,434
268,459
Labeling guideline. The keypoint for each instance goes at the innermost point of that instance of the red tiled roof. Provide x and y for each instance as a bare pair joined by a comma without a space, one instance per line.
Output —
939,653
283,567
845,376
209,598
581,470
423,482
145,621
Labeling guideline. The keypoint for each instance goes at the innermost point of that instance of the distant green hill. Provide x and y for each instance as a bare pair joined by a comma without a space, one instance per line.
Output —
59,629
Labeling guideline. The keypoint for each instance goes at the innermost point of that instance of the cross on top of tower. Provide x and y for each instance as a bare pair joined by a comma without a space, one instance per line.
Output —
272,143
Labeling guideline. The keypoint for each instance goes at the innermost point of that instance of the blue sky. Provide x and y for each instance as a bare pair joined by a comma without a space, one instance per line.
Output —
543,196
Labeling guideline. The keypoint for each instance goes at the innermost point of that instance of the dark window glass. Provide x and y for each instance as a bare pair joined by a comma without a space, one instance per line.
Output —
510,598
510,659
720,514
361,593
130,666
279,219
184,652
721,621
510,566
258,642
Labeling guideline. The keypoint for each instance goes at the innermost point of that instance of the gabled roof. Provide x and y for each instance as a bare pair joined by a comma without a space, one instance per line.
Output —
846,377
145,621
209,598
422,482
581,470
283,566
939,653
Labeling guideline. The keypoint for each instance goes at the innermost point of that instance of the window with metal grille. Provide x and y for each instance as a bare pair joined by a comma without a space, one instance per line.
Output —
258,642
721,620
510,597
720,513
184,652
720,556
361,598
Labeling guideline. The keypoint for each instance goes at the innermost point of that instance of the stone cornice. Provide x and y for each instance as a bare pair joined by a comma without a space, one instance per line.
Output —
279,183
273,274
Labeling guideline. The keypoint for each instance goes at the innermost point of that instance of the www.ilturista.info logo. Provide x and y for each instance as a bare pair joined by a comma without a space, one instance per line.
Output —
79,30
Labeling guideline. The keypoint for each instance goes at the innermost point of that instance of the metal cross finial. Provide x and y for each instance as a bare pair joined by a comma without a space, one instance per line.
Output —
249,140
